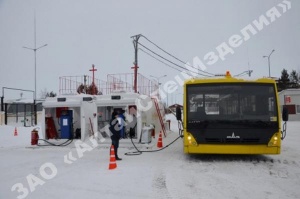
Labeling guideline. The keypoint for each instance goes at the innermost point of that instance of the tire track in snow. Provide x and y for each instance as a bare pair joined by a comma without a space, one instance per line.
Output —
159,185
255,159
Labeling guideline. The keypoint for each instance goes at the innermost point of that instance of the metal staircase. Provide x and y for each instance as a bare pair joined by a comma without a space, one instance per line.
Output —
159,116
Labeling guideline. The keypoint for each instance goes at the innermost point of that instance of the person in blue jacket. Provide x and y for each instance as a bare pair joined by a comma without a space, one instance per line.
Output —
115,130
122,122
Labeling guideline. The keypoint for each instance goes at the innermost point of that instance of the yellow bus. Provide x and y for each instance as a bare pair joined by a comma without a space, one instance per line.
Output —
226,115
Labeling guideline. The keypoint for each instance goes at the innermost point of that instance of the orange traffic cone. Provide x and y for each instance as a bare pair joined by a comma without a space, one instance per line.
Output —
16,132
112,161
159,142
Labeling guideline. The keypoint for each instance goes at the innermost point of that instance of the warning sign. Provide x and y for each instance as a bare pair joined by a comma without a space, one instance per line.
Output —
287,99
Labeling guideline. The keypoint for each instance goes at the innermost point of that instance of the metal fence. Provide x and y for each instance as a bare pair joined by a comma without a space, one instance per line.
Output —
20,113
115,82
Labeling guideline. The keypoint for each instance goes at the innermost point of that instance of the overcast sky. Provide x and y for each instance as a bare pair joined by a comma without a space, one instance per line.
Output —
82,33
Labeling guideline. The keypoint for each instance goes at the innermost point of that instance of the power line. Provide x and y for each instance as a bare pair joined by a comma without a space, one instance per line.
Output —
160,60
174,56
168,60
247,72
162,57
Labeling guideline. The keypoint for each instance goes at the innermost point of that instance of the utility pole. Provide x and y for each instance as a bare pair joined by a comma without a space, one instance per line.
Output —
135,67
269,61
84,85
249,72
34,50
93,83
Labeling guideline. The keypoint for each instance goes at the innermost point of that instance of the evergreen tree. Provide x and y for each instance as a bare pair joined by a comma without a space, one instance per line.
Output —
285,76
284,80
294,79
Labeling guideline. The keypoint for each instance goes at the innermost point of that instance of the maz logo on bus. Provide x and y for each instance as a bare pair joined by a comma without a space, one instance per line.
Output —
233,136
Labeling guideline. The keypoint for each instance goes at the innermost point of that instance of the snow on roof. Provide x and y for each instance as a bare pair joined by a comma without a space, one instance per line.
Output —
65,100
19,101
117,98
113,99
290,91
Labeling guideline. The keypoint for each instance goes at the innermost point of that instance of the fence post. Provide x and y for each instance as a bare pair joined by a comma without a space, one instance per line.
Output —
35,112
5,113
2,105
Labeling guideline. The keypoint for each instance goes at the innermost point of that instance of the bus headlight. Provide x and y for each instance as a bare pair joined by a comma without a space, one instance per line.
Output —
189,138
275,140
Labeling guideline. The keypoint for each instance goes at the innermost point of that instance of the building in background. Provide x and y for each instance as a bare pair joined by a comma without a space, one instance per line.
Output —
291,98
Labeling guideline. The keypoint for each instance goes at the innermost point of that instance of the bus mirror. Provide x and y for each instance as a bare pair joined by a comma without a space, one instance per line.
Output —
285,113
178,113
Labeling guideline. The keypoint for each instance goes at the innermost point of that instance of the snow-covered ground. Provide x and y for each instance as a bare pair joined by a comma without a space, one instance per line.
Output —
43,172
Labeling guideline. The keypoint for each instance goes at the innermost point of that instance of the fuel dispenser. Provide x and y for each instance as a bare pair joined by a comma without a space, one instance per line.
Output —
66,124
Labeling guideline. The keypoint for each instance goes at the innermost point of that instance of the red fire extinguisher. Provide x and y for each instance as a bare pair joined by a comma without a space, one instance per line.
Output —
34,137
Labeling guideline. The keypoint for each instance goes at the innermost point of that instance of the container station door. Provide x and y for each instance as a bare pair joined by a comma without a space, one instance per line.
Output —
66,124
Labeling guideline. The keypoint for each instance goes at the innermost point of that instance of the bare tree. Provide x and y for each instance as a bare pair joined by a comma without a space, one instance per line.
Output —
51,94
43,93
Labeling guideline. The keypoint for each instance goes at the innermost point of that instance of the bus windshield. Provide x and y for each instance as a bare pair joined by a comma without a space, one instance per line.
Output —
231,102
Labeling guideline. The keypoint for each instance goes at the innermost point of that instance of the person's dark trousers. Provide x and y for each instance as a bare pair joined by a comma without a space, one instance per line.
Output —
115,142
